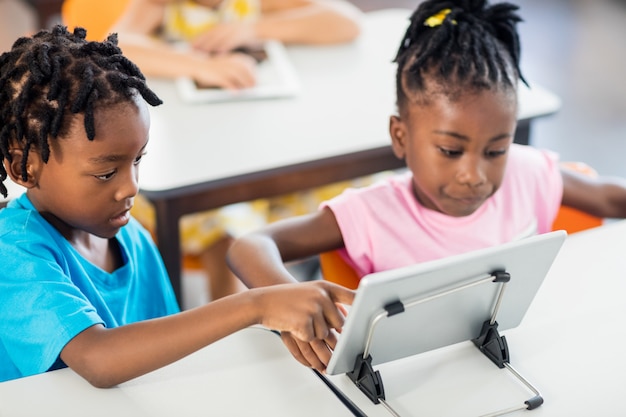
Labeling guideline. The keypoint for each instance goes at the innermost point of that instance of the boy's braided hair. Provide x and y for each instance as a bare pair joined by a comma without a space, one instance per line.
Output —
461,45
48,78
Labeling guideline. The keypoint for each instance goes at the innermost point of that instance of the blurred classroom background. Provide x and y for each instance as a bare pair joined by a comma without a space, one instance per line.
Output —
574,48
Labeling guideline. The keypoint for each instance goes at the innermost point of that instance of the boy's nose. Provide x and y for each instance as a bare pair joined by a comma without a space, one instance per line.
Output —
129,187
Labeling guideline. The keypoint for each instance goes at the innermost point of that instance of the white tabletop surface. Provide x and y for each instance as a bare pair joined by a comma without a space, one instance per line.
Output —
249,373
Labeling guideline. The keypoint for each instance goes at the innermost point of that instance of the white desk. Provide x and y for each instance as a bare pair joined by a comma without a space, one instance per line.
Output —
570,346
249,373
206,156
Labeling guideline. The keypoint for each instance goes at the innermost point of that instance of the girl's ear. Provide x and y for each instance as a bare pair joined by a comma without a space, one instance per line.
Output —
399,136
14,168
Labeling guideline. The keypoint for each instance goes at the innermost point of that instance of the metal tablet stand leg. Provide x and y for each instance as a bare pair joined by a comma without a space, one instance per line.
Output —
489,342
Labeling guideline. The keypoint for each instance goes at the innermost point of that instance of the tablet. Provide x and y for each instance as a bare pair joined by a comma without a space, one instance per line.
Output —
276,77
432,320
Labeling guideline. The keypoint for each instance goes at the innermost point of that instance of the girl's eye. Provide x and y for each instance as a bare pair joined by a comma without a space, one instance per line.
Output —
495,153
105,177
450,153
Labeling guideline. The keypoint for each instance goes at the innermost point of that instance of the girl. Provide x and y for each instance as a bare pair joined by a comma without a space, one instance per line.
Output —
467,186
82,284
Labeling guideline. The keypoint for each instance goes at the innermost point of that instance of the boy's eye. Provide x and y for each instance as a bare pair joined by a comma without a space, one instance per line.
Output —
105,177
139,158
450,153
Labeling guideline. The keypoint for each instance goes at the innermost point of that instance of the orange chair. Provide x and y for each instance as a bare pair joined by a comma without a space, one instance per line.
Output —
335,269
95,16
572,220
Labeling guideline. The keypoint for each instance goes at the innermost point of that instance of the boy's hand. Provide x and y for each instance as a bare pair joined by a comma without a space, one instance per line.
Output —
305,314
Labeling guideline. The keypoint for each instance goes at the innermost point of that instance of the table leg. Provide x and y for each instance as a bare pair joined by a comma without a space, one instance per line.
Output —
522,133
168,241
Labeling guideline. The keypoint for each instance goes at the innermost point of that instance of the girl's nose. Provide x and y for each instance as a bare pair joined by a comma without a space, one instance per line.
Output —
471,172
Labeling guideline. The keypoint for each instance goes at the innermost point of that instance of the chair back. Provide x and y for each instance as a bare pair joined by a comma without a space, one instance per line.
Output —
95,16
573,220
335,269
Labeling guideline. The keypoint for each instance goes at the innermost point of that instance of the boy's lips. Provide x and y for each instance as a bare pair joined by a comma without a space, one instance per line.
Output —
121,218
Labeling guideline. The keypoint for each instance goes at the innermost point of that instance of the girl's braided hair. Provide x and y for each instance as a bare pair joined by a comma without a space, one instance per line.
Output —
461,45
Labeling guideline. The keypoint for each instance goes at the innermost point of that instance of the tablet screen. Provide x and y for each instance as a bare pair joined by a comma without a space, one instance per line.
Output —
450,300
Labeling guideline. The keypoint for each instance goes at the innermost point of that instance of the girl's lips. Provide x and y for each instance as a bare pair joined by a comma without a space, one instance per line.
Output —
473,199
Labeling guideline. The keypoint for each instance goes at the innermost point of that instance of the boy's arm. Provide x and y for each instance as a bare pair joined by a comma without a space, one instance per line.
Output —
107,357
599,196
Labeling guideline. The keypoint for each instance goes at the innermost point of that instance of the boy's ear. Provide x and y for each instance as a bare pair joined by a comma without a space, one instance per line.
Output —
14,167
399,136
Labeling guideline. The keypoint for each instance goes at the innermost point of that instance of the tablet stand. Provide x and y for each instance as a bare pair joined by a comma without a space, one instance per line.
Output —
489,342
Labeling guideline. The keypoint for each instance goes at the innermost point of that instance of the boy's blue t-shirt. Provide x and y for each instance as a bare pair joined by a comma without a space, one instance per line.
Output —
49,293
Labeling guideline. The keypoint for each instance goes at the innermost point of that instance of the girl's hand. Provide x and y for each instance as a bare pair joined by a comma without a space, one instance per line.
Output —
226,37
229,71
315,354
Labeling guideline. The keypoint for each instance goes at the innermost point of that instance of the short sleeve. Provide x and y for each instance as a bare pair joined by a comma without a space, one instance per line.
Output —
351,215
41,309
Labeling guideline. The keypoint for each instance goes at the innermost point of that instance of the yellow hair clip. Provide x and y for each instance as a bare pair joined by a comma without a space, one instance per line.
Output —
437,19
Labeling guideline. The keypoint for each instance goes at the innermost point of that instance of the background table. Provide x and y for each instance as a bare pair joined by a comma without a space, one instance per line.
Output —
206,156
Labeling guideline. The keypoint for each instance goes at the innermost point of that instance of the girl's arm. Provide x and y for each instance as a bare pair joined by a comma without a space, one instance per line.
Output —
257,258
599,196
107,357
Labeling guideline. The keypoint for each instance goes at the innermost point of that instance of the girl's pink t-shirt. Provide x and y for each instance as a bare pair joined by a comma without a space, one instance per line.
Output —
384,227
